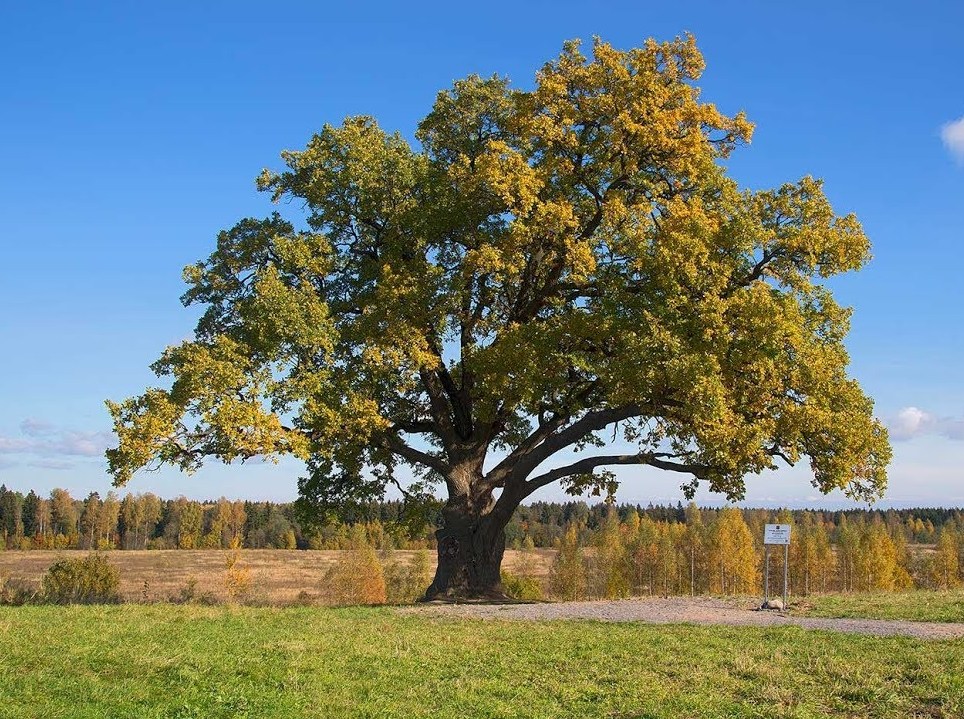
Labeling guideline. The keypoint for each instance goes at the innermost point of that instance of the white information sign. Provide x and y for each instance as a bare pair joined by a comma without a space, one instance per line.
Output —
776,534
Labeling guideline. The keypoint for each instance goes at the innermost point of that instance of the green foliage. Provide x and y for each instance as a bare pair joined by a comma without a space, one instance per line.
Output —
521,586
546,263
91,580
622,550
11,517
147,520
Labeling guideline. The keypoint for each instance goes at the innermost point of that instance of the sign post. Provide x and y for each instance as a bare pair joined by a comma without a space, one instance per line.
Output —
776,534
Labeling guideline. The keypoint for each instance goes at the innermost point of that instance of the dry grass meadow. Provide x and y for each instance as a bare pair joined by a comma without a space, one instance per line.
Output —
278,576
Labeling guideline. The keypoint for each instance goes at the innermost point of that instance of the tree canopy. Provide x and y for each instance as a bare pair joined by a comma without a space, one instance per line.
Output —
544,264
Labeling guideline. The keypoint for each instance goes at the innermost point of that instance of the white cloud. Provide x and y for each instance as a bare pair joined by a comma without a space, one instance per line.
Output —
912,422
36,427
84,444
953,428
15,445
953,136
42,439
51,464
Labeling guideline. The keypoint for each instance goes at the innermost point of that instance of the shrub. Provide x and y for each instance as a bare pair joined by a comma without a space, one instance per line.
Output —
189,594
305,599
16,591
357,577
92,580
521,582
405,582
237,578
290,541
526,588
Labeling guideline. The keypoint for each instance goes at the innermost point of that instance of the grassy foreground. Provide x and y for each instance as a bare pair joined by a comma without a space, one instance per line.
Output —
920,605
190,661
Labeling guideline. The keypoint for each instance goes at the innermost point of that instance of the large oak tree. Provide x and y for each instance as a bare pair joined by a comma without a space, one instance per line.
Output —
547,270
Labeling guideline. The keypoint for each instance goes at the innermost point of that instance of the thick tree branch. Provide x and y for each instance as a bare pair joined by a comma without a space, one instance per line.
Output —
397,446
545,442
777,451
459,397
440,410
417,426
545,429
660,460
758,270
583,466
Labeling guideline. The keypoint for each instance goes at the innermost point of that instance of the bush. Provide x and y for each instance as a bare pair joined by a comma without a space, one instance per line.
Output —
305,599
237,577
357,577
521,587
92,580
16,592
521,582
189,594
406,582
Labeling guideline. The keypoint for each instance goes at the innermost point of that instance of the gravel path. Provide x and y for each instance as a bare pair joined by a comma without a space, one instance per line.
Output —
695,610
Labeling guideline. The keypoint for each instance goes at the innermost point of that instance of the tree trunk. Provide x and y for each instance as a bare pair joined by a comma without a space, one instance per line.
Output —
470,549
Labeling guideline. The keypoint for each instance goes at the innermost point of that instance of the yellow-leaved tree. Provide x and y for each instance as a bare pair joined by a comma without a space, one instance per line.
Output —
735,563
547,263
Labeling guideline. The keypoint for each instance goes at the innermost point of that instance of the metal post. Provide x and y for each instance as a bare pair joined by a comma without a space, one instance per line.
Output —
786,574
766,573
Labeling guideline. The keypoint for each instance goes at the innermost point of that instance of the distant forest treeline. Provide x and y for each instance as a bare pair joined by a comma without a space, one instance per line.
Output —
145,521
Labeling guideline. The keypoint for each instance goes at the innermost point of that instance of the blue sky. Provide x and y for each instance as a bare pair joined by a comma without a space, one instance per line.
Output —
132,132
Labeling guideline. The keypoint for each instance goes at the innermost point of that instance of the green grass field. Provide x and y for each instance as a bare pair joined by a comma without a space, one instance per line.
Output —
920,606
190,661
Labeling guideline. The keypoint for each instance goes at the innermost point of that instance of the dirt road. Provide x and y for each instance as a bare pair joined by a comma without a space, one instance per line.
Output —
690,610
